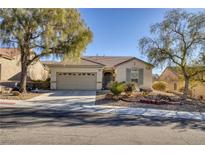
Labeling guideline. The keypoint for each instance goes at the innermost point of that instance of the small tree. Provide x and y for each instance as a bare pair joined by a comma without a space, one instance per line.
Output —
178,40
43,32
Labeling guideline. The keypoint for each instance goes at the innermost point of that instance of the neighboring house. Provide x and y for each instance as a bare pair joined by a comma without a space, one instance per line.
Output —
155,77
174,80
96,72
10,66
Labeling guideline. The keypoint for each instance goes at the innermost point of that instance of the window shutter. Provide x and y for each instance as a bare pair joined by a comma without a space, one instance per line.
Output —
128,74
141,76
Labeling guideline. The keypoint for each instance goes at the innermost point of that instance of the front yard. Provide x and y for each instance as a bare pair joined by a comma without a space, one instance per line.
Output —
155,100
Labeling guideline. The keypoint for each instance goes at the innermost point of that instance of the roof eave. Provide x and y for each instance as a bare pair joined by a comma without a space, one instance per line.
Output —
93,62
74,66
6,57
133,58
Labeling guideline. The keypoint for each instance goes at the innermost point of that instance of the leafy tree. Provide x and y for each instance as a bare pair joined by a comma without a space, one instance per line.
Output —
43,32
178,40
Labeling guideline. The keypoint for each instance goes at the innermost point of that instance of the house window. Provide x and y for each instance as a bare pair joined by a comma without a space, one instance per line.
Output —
135,75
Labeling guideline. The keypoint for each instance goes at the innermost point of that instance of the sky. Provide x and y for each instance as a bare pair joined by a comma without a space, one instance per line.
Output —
116,32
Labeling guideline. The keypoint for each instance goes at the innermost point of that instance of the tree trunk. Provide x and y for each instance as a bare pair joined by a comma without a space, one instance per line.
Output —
24,68
186,89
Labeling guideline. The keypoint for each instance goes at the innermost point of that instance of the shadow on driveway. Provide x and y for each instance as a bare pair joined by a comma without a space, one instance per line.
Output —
72,93
34,117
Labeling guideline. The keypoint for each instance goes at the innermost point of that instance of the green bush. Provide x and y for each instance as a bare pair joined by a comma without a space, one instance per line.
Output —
159,85
130,87
117,88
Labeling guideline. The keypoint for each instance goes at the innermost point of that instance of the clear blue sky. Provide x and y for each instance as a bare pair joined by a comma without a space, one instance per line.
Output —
117,31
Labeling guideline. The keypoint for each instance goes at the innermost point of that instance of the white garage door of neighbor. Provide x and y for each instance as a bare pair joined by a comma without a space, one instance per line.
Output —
76,81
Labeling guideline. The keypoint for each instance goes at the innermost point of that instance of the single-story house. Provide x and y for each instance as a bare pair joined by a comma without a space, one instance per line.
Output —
175,82
96,72
10,66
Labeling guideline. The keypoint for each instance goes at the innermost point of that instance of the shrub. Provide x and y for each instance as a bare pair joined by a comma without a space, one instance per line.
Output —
148,90
41,85
16,93
109,96
117,88
130,87
144,93
159,85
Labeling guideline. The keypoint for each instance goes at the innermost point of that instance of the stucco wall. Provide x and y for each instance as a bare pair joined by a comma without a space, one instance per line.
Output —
121,72
168,75
37,72
199,90
11,70
54,70
170,78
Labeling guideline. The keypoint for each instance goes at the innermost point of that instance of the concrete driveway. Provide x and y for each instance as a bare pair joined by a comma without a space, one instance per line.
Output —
64,99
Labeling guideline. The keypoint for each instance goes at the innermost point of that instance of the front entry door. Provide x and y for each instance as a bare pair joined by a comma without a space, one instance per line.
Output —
107,78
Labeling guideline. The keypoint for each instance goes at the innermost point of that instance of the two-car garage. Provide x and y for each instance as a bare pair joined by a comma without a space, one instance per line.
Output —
76,80
84,75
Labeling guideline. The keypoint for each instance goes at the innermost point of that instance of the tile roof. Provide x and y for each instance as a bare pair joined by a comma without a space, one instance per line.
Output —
9,53
111,61
108,61
80,62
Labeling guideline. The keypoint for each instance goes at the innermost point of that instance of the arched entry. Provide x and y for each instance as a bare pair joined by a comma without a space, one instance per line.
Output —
107,78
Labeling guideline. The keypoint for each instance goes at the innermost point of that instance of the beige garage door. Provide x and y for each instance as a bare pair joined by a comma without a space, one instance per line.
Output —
76,81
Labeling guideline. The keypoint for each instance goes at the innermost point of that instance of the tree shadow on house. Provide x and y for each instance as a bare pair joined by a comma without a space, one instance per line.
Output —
14,79
36,117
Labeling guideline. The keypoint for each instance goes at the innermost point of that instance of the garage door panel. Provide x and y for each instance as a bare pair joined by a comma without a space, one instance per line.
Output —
78,81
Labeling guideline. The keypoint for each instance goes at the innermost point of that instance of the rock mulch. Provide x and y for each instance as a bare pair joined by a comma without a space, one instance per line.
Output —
163,102
23,96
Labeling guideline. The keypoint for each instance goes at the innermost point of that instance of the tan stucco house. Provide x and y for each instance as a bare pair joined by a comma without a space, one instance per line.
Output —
96,72
175,82
10,66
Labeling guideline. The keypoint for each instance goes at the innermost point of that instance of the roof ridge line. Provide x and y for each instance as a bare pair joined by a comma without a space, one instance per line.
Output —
92,61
